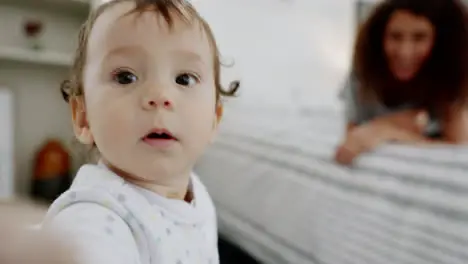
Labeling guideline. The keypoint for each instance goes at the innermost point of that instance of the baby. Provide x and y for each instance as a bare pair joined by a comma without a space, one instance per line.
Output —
145,94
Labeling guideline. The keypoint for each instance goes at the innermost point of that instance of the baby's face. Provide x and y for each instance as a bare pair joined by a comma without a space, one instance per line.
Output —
141,77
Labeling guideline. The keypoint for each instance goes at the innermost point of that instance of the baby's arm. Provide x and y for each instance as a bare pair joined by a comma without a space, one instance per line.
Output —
21,242
99,235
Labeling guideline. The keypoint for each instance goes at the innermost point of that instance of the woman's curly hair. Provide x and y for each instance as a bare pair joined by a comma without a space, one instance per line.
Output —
442,80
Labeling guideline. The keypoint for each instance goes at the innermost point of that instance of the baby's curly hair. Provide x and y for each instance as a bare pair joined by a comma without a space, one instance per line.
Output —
168,9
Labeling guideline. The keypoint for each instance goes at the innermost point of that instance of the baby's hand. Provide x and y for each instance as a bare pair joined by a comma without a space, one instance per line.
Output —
22,243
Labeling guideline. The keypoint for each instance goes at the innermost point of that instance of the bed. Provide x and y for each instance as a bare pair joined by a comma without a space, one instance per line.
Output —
280,197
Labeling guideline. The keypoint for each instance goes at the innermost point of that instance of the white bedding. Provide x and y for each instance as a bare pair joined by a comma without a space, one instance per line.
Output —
280,197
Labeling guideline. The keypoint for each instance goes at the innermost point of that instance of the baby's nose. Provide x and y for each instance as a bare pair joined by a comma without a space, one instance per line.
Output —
155,103
157,99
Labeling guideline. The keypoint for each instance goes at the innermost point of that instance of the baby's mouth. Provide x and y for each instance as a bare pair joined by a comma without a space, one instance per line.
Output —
161,136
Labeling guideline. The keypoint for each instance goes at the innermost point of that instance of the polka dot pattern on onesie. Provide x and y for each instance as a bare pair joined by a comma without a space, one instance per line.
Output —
108,230
121,198
110,219
167,231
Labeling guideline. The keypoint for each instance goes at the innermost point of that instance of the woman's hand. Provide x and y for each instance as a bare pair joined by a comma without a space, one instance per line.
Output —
405,126
361,139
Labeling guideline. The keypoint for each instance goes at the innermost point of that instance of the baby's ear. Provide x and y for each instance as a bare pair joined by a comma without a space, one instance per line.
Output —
219,112
80,121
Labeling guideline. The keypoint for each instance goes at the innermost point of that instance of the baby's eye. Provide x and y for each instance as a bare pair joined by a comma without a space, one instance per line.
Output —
124,77
186,79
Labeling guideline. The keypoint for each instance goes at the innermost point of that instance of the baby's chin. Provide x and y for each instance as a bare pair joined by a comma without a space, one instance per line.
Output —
153,171
163,182
161,173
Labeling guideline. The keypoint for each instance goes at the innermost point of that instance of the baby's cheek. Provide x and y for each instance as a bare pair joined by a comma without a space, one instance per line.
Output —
110,135
201,124
110,123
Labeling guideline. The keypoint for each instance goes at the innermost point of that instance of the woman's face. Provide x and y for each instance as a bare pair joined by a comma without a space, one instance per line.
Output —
408,41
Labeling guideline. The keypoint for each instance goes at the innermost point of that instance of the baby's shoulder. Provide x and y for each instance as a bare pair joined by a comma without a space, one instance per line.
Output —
84,214
94,187
99,233
85,207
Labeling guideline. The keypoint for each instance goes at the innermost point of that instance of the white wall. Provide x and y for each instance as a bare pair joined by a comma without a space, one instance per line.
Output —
39,111
59,29
6,144
285,49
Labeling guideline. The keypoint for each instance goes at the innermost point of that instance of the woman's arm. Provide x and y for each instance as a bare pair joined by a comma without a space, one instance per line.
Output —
401,126
455,126
402,135
406,127
362,135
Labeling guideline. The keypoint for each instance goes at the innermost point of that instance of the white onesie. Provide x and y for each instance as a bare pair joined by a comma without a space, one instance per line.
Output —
113,221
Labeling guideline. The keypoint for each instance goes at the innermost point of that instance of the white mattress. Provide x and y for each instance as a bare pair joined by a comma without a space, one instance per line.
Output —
280,197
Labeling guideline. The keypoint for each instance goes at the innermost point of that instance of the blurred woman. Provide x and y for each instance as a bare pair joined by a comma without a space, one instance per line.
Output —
410,77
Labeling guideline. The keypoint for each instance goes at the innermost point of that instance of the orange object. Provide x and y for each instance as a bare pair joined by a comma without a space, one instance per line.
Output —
51,160
51,171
